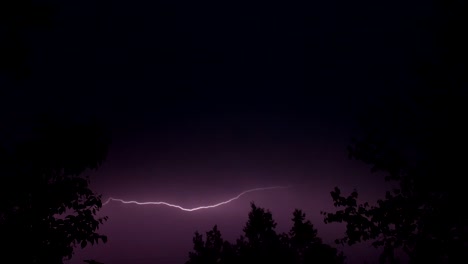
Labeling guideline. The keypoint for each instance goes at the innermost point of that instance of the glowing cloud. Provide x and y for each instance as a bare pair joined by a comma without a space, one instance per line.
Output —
196,208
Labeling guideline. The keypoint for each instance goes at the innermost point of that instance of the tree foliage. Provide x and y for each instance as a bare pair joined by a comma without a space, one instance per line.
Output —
46,205
418,139
260,243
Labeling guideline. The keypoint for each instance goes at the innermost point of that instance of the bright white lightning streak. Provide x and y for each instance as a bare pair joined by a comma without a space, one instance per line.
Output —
196,208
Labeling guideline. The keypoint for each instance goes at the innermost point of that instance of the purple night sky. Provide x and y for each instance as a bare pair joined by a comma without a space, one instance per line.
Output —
206,100
207,170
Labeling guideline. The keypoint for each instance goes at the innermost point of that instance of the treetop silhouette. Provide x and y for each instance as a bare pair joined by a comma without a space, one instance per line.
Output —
260,243
46,205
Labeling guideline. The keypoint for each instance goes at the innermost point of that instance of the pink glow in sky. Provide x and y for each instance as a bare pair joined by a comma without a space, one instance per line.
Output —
201,174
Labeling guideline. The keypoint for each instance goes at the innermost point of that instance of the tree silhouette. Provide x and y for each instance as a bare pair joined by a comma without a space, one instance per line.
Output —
418,139
423,213
308,248
90,261
261,244
46,206
213,250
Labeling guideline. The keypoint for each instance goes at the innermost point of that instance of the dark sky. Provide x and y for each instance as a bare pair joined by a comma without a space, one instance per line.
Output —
208,99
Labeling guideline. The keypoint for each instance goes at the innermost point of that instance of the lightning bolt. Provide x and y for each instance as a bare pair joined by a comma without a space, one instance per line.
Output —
196,208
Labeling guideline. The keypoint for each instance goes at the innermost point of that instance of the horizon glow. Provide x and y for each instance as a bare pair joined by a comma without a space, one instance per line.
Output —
195,208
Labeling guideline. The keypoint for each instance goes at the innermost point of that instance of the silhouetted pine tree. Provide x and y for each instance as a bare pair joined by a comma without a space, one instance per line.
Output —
260,243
